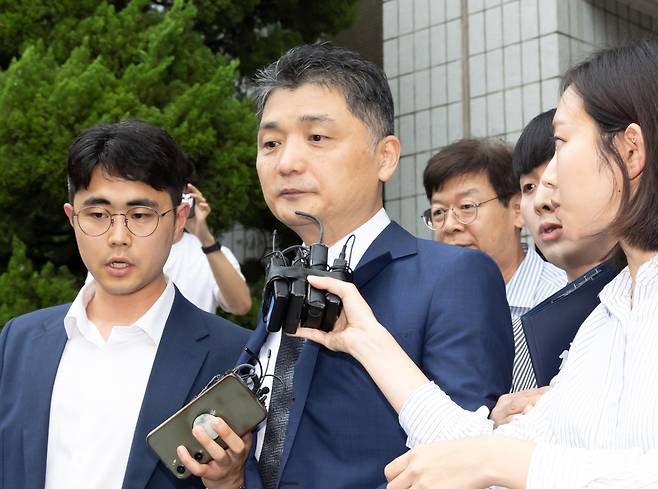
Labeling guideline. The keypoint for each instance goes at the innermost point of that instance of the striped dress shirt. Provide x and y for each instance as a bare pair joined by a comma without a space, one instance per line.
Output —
597,428
533,281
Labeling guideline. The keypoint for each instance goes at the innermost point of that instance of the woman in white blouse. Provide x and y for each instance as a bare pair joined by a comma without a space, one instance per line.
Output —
598,426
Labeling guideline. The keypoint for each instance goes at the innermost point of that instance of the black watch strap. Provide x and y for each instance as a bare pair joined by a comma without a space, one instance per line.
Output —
216,246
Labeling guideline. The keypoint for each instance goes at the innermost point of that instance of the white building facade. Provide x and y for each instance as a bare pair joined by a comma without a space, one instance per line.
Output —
474,68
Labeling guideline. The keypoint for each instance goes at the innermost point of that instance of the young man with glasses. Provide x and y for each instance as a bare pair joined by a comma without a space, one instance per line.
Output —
82,384
475,203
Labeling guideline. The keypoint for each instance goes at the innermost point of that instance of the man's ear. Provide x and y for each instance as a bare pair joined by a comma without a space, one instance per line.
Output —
181,213
68,210
633,150
388,156
515,207
181,218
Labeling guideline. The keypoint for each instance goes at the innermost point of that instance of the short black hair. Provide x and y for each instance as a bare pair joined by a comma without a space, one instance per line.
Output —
133,150
618,87
362,82
535,146
489,156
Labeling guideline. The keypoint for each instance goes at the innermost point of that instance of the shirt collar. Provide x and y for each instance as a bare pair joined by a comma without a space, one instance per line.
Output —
152,322
520,289
616,295
364,235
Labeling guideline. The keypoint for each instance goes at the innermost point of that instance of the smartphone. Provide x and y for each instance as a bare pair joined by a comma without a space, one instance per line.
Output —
189,200
229,398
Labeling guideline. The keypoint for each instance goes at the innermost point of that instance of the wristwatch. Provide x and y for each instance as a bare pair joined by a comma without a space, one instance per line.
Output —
216,246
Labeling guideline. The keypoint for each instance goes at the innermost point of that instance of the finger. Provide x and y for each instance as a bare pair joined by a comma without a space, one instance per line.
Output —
518,405
211,447
195,192
533,400
528,408
506,420
312,334
328,283
394,468
347,291
232,440
192,465
404,480
247,439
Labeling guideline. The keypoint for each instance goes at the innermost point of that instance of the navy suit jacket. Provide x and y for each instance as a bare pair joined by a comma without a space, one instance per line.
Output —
446,306
194,347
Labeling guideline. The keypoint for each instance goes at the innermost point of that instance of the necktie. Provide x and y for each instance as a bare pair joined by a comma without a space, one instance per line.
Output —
277,418
523,376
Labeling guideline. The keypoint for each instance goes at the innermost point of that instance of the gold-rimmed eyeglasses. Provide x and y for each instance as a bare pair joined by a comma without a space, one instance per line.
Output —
140,221
466,212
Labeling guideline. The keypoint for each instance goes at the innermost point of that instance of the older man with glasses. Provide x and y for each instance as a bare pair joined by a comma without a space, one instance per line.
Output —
475,203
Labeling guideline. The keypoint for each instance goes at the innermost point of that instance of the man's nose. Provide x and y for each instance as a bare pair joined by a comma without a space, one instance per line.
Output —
118,233
451,223
543,201
293,156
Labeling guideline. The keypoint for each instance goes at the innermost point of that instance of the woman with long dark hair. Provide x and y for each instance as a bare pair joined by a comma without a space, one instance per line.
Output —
598,426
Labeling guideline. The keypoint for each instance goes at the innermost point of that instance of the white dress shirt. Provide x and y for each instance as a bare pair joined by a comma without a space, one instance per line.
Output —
98,393
364,235
598,426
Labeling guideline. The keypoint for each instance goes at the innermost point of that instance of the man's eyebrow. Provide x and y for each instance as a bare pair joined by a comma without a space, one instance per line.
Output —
268,125
142,203
304,118
316,118
131,203
467,192
464,193
96,201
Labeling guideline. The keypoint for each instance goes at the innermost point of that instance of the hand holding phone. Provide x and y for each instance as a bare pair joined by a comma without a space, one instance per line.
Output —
226,469
229,398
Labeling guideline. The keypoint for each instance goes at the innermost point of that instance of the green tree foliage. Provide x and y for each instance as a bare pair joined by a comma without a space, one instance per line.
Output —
66,65
258,31
136,62
25,289
253,31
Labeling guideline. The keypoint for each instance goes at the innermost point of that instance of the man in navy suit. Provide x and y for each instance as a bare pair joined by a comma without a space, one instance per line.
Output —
82,384
326,147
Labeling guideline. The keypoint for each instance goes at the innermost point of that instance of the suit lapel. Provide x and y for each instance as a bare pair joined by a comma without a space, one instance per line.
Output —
47,347
177,362
254,343
392,243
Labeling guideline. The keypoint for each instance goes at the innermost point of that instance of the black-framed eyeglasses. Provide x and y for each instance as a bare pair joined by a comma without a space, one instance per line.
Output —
140,221
466,213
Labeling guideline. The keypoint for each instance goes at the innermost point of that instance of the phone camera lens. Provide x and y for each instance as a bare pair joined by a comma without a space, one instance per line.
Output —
198,456
180,469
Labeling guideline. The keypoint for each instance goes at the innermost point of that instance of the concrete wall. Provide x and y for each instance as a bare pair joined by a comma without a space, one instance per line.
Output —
460,68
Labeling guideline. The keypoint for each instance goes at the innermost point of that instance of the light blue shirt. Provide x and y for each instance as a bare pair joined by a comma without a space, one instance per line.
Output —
533,281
